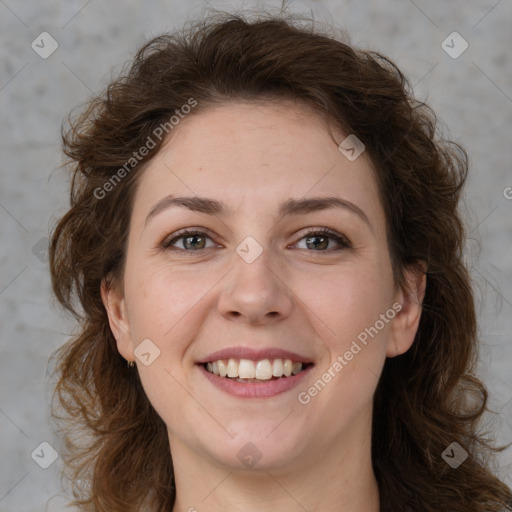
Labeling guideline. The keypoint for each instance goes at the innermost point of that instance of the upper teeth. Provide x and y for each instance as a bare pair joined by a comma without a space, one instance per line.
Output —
248,369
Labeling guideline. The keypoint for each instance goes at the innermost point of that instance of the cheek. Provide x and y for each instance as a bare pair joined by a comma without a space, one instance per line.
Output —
345,300
153,301
347,306
164,302
355,337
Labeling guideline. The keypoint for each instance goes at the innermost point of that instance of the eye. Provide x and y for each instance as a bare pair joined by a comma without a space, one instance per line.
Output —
319,239
189,241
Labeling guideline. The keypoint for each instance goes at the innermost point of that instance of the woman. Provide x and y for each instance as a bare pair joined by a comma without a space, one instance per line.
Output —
265,245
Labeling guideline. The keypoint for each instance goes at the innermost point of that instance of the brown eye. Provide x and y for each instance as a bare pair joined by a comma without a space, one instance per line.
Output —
318,241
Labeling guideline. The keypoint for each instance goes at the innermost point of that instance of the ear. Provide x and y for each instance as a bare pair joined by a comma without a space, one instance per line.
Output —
405,324
114,302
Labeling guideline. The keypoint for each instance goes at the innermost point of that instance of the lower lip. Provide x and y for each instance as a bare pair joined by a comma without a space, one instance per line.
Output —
264,389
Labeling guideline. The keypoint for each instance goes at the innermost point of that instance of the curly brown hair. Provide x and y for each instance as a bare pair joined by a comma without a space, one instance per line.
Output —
426,398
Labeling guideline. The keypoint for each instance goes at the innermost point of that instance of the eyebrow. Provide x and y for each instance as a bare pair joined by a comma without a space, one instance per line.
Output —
289,207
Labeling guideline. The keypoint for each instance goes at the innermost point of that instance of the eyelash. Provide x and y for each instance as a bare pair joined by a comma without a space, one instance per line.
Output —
323,232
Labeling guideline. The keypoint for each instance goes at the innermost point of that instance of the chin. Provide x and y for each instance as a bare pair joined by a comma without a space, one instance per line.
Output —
259,445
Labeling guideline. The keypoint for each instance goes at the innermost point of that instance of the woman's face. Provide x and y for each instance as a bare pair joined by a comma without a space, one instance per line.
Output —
255,283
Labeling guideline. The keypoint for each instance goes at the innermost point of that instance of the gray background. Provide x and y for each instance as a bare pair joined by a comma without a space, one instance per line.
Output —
472,95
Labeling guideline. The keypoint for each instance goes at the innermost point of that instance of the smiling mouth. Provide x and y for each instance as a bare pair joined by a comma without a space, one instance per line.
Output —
247,371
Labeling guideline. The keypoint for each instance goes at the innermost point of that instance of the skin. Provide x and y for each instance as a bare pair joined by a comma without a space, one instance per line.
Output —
295,296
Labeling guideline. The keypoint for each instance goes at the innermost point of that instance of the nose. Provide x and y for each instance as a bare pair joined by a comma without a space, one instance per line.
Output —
255,293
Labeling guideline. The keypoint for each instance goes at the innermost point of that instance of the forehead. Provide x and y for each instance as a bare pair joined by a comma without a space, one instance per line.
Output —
258,155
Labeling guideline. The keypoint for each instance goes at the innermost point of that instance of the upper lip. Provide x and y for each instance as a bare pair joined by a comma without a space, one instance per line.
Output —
254,355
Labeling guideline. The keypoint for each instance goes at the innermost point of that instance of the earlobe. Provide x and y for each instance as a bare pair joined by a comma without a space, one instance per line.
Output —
115,305
406,322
